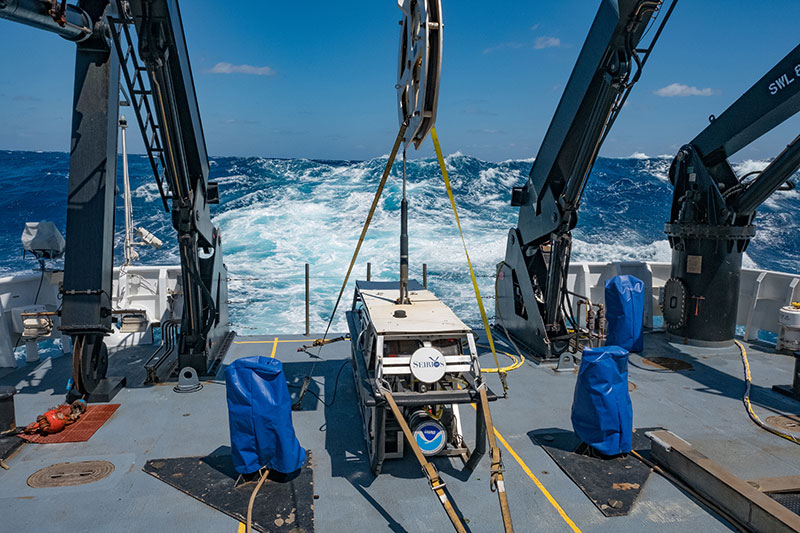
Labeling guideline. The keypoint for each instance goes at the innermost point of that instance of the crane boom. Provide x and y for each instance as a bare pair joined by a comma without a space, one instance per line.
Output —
530,294
165,104
711,220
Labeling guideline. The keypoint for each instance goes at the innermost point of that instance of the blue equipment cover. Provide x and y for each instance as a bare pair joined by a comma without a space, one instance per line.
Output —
625,312
260,417
602,415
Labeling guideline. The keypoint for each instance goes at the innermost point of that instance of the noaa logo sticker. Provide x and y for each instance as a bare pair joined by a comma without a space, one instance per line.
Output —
430,438
428,365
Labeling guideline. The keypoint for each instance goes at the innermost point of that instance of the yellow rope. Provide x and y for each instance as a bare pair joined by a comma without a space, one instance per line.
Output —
486,327
386,171
249,526
513,366
746,400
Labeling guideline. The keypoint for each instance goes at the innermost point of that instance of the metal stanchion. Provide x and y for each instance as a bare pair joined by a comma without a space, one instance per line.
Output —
369,271
425,275
308,298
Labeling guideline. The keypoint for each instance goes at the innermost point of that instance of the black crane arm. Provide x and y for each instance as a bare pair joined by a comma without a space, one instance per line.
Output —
163,98
530,300
770,101
162,48
707,190
711,220
587,109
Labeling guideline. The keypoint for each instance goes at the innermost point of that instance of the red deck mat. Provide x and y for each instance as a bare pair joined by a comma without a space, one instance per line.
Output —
82,430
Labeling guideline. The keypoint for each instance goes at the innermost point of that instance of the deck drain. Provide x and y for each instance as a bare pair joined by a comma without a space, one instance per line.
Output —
789,423
631,386
69,474
668,363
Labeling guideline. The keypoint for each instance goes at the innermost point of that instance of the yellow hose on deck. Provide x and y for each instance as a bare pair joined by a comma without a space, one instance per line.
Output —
746,399
513,366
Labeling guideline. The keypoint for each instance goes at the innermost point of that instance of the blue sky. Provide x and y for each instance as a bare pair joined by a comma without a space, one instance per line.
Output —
316,79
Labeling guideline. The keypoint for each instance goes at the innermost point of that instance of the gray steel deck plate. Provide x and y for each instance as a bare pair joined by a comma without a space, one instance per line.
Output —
613,484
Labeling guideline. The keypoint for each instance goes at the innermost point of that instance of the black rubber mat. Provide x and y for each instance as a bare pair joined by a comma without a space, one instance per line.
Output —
8,445
284,503
613,484
790,500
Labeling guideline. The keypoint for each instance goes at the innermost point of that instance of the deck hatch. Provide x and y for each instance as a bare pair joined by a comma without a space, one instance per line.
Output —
70,474
789,423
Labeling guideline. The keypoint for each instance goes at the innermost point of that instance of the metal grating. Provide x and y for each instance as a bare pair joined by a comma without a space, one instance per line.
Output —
790,500
668,363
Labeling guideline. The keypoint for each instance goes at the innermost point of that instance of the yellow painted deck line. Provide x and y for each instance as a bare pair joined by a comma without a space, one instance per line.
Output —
536,481
274,347
242,528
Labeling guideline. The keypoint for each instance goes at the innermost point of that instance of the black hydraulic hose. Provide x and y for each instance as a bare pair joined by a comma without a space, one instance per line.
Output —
769,180
41,279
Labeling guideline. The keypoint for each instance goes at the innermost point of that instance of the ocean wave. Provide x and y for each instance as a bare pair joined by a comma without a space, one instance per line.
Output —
278,214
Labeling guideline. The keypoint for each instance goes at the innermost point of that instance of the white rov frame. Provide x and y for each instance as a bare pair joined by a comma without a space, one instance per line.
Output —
401,365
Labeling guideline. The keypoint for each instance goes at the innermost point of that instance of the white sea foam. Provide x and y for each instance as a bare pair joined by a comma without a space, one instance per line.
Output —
277,214
313,212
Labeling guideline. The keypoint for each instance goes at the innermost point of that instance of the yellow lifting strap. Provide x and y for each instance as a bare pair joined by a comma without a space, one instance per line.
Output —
496,482
373,207
487,329
437,485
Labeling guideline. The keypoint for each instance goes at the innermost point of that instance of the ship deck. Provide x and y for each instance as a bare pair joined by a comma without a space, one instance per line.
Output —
702,405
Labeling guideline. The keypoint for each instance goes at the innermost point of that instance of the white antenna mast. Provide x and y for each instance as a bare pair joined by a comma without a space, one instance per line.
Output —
130,254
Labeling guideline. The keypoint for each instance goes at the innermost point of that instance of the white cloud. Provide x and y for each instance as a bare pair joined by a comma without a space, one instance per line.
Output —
228,68
534,27
547,42
504,46
679,89
539,44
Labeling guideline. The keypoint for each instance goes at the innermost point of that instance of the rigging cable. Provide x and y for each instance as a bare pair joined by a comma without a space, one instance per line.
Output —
517,362
398,140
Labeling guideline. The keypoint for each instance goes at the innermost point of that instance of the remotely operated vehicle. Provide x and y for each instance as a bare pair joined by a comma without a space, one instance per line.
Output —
414,360
427,357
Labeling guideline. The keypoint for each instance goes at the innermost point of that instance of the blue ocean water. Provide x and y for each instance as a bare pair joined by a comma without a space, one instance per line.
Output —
277,214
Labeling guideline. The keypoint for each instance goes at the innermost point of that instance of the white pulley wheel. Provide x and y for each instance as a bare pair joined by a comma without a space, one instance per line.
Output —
419,67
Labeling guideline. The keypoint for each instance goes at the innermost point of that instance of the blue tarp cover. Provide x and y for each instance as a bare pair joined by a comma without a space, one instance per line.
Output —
602,415
625,312
260,417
